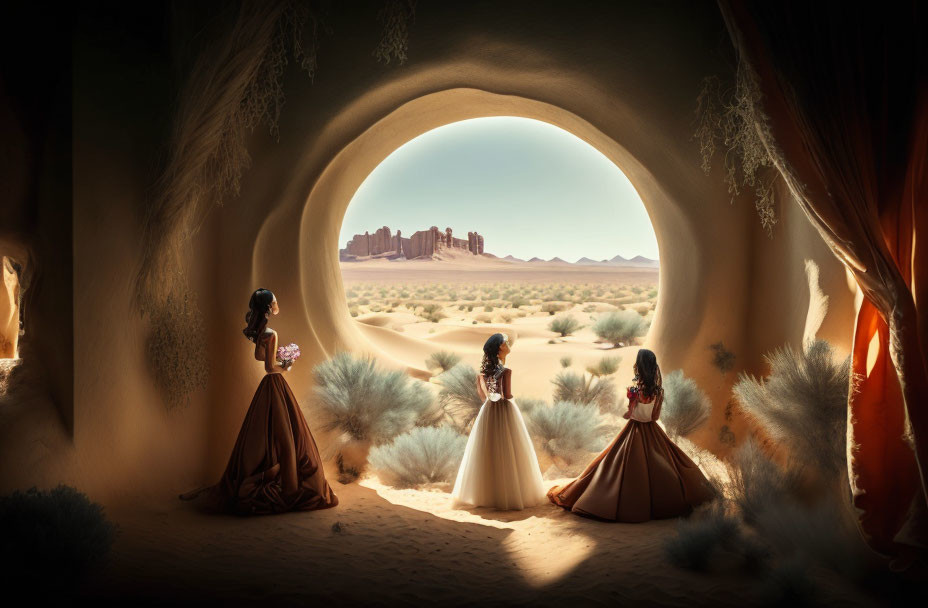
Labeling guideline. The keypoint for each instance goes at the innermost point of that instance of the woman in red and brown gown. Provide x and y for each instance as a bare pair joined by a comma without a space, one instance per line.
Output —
642,474
275,465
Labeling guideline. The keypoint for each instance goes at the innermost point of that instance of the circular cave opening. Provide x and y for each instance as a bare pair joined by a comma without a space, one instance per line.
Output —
501,224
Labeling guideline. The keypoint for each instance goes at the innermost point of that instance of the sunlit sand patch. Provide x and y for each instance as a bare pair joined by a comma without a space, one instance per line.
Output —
533,531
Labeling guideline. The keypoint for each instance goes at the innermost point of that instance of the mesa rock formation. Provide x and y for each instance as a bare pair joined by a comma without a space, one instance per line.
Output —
422,244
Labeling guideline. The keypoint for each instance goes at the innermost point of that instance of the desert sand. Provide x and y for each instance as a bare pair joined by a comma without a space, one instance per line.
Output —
459,286
382,546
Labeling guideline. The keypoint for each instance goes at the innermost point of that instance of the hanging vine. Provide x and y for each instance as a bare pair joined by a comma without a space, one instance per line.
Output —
733,118
235,85
394,43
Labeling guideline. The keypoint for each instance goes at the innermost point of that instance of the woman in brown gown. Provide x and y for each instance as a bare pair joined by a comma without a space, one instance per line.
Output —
641,475
275,465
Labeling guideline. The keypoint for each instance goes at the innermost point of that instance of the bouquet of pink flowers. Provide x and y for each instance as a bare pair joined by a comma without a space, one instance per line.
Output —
286,355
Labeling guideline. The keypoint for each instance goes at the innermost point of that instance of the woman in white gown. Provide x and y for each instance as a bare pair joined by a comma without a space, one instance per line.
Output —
499,468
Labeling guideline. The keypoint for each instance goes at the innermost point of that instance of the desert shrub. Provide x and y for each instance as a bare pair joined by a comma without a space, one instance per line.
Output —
652,294
551,308
365,403
564,325
462,307
685,406
769,499
552,341
458,398
487,308
435,317
619,327
606,366
709,530
482,318
422,455
353,311
643,310
568,432
722,358
566,362
589,308
527,404
470,308
578,388
364,301
803,404
51,538
442,360
517,301
757,482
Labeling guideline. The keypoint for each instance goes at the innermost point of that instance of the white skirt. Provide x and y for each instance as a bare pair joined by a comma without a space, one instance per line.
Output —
500,468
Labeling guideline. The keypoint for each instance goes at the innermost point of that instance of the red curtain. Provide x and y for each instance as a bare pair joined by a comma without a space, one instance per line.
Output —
845,93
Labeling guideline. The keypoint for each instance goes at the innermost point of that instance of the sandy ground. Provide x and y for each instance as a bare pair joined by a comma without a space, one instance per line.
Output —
382,546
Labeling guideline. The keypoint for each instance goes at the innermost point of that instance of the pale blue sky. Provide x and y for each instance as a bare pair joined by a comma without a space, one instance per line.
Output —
530,188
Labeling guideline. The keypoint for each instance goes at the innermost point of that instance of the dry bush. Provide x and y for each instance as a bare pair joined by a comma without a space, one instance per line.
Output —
710,530
458,398
442,360
643,310
606,366
422,455
568,432
757,482
685,406
620,327
803,404
566,362
365,403
51,538
564,325
482,319
578,388
551,308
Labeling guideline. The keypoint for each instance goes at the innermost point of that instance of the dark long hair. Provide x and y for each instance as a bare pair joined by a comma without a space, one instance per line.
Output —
648,378
256,317
490,362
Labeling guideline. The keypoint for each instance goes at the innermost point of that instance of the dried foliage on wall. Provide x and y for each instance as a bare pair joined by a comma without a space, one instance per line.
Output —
732,117
234,86
176,350
395,17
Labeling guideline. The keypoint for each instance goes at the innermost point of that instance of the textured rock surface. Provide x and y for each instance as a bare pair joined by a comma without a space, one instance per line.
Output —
423,243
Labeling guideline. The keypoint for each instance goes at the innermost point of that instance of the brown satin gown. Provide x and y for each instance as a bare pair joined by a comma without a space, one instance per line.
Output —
275,465
641,475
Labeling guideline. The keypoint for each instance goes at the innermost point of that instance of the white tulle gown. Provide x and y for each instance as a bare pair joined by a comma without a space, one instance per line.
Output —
499,468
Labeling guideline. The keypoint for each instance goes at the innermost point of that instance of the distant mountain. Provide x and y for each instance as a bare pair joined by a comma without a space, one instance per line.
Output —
536,260
510,258
557,261
640,260
589,262
618,259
